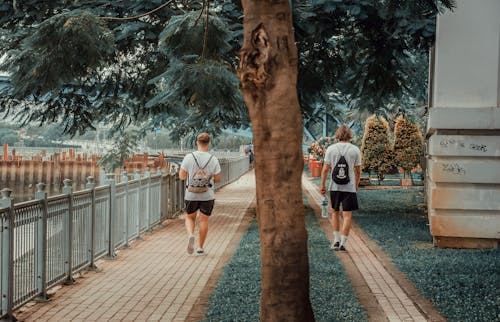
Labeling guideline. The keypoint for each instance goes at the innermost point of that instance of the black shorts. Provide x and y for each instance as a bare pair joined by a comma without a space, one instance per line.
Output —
205,206
348,200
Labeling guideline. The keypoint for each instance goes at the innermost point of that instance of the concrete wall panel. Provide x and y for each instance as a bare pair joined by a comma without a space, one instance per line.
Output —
464,145
468,198
465,171
470,118
449,224
467,51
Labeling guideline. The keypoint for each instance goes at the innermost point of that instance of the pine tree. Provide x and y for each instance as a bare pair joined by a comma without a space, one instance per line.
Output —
376,147
408,144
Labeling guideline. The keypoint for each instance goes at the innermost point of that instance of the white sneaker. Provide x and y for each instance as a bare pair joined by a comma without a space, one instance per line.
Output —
190,246
200,252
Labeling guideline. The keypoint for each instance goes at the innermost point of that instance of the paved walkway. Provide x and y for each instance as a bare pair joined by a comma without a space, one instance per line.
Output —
397,300
155,279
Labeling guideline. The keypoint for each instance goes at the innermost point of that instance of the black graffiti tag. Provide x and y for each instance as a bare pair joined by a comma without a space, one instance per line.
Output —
478,147
446,142
453,168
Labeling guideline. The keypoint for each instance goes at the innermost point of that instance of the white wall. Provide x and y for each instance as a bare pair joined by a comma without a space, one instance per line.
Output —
463,161
467,55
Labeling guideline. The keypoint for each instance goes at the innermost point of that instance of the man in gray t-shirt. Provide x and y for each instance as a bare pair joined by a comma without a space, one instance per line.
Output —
199,201
342,194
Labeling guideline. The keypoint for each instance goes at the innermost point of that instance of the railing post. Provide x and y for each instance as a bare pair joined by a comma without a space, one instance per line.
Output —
7,256
160,200
171,194
147,174
68,190
179,186
91,185
41,195
125,209
176,192
102,176
110,180
137,176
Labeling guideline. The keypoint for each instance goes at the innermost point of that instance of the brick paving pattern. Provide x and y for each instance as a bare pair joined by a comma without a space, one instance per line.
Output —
154,280
393,300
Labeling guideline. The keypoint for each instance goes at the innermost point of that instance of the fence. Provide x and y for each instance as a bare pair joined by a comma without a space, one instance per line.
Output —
45,241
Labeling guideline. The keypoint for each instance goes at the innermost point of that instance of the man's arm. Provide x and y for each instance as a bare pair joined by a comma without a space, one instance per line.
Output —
357,175
217,177
324,173
183,174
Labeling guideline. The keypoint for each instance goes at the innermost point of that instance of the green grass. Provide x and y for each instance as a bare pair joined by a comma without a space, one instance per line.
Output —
463,284
237,295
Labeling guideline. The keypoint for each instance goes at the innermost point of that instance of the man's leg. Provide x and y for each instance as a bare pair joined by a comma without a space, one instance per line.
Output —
190,222
203,229
336,228
346,227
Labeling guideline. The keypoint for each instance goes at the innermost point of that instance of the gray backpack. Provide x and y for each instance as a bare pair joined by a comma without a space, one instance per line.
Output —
200,181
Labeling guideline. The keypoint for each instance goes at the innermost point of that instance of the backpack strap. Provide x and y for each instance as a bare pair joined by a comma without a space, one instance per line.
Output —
198,165
343,154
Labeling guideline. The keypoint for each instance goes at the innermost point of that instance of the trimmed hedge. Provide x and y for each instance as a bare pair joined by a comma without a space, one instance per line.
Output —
237,295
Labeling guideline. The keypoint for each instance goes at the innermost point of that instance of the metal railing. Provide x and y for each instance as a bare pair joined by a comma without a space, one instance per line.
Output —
45,241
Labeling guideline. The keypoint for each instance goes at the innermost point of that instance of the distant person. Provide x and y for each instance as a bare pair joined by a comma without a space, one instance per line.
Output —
201,170
251,157
344,161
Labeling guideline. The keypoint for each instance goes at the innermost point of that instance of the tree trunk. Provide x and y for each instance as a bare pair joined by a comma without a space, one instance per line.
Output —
268,77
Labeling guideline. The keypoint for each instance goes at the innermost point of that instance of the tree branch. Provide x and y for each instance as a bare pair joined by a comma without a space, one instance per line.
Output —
139,16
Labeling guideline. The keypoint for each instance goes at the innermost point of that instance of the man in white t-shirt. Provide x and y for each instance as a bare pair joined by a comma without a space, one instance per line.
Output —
342,194
199,198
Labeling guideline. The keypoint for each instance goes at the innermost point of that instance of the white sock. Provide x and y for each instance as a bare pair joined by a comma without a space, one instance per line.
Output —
336,235
344,240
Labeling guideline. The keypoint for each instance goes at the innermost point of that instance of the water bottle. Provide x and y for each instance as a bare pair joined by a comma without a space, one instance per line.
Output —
324,208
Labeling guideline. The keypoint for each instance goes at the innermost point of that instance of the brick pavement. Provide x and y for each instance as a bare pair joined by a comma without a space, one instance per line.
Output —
155,279
395,297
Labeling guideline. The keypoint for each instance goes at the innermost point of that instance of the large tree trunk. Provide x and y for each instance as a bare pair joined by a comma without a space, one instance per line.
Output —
268,76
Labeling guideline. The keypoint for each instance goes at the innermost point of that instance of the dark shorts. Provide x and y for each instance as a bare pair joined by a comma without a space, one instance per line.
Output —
205,207
348,200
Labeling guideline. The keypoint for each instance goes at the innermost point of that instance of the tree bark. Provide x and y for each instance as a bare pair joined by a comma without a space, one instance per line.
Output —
268,79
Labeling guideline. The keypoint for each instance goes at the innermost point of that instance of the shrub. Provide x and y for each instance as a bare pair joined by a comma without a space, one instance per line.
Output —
408,144
318,148
376,147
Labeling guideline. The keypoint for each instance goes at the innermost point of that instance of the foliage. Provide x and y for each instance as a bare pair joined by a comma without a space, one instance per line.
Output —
461,283
370,54
408,144
318,148
198,97
63,48
125,146
376,147
236,297
183,36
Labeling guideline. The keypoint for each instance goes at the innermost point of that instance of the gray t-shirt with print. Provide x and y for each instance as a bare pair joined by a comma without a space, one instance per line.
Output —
353,158
189,165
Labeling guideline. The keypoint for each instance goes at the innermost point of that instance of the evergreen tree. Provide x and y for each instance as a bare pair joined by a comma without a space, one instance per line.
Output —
376,147
408,144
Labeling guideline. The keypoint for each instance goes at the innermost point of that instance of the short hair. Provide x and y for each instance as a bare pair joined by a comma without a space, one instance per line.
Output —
343,133
203,138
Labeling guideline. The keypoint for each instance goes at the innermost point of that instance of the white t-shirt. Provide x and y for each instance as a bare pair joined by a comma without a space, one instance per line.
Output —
352,155
189,165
